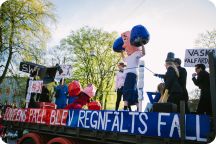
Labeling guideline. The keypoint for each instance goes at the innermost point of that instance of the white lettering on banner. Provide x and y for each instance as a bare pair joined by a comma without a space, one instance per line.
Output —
15,114
57,118
31,113
197,56
160,122
175,124
64,117
198,130
70,118
143,122
115,121
52,117
121,124
101,120
11,115
94,123
6,114
33,116
133,114
80,118
87,118
43,115
39,115
33,120
127,122
107,118
24,115
18,114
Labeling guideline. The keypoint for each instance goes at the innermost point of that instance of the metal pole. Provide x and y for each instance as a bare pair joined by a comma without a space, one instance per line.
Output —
141,85
28,96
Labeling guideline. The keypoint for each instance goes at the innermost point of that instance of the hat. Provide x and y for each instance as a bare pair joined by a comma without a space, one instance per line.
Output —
74,88
170,57
139,36
122,64
90,90
117,45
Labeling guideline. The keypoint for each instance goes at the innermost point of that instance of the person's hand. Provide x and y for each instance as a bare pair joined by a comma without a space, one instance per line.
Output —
194,74
156,75
159,75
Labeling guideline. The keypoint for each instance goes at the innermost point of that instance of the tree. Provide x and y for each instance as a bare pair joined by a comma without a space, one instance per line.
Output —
58,54
23,31
193,102
206,40
93,59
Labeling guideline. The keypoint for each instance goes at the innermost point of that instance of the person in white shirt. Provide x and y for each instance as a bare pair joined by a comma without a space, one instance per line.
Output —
130,91
119,83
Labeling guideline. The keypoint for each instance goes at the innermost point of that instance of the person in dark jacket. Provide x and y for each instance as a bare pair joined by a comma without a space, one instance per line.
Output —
201,79
44,96
173,91
182,81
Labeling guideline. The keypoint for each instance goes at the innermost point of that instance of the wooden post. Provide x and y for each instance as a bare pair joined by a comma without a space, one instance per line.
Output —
182,121
212,76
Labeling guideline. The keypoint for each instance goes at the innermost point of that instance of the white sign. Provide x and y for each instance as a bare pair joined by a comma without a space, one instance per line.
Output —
36,86
197,56
66,72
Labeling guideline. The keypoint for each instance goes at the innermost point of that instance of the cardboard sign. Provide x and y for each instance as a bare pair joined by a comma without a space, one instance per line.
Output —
197,56
29,67
36,86
66,72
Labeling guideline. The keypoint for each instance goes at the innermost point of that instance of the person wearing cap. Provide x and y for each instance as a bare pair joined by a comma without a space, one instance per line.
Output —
173,90
201,79
119,83
182,81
